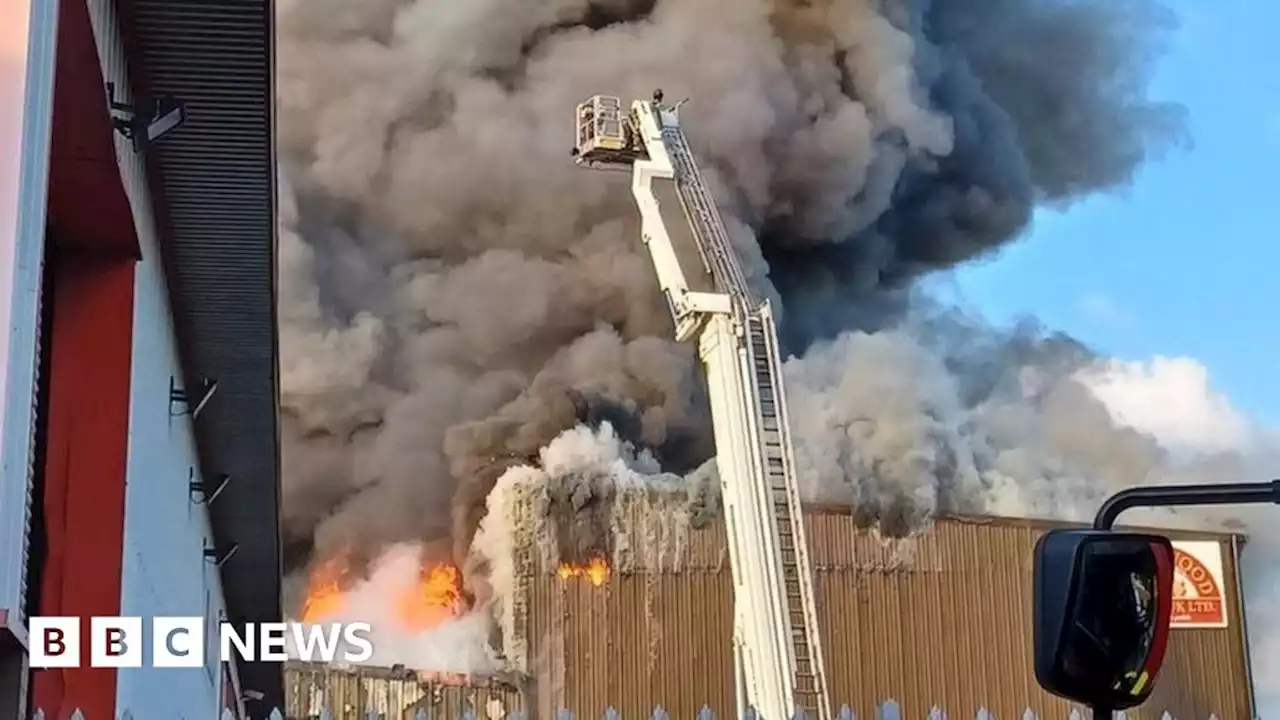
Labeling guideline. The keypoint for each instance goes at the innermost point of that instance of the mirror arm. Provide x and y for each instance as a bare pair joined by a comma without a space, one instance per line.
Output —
1180,495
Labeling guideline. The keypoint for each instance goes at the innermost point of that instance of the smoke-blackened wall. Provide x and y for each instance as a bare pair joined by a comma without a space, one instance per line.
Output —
455,293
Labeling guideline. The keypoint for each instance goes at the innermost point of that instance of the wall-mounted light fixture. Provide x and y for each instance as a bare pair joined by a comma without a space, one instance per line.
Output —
146,122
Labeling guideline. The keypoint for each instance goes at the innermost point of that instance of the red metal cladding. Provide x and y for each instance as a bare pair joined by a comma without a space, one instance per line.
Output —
93,243
88,207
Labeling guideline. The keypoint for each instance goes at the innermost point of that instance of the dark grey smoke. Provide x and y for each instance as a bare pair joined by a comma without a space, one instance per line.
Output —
454,293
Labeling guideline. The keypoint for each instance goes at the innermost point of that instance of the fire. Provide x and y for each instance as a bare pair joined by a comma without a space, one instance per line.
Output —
324,590
596,570
436,597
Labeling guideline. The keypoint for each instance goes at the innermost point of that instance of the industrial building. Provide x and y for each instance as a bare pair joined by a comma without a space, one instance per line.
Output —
312,689
941,620
137,280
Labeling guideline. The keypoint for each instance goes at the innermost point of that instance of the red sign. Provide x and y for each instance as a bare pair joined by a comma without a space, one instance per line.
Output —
1198,599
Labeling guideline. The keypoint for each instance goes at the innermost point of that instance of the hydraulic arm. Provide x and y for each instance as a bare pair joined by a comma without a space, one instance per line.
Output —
778,653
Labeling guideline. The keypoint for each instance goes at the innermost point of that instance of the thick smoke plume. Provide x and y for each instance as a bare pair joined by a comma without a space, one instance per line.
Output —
455,294
462,308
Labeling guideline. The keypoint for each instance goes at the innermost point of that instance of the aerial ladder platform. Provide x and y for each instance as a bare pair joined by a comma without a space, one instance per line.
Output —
777,649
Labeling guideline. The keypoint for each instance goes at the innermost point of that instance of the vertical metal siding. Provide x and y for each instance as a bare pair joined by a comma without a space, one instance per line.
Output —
218,175
1242,617
18,387
133,175
213,205
37,419
353,693
164,572
940,620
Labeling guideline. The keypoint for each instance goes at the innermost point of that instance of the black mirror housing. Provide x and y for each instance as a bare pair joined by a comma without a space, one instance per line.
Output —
1103,606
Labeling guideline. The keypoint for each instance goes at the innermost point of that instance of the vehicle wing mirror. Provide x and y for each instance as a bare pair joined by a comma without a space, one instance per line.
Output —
1103,604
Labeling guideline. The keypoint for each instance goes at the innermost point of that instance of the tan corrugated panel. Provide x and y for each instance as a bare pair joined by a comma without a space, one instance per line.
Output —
1203,663
641,640
447,702
351,693
940,620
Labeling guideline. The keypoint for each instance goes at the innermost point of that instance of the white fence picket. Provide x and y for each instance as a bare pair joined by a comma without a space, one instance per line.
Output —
889,710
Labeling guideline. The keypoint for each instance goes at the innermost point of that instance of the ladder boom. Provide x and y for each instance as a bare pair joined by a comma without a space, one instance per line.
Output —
778,652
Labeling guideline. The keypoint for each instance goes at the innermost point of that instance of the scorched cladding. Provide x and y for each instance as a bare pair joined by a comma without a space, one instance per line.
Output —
941,620
315,690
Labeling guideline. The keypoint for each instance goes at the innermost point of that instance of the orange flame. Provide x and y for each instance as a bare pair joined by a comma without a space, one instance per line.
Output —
324,590
436,597
596,570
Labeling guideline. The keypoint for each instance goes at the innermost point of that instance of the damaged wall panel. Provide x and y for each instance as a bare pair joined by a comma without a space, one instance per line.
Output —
943,619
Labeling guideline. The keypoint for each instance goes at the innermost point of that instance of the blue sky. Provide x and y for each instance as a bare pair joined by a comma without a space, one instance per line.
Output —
1187,260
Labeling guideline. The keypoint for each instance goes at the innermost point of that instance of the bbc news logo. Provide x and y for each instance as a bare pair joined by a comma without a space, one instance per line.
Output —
179,642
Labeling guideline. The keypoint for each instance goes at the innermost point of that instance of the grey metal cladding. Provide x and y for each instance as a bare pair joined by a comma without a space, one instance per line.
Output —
217,201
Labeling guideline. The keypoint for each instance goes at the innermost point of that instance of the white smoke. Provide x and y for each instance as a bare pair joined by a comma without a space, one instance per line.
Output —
456,645
881,421
1172,399
593,475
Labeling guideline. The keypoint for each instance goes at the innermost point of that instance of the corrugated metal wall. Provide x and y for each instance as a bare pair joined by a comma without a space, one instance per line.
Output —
24,175
163,571
943,619
352,693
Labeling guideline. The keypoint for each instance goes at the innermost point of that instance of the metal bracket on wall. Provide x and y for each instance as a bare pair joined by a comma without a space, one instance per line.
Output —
219,556
146,121
187,404
200,492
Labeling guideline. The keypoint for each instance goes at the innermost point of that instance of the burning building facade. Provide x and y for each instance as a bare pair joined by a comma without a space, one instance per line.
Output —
940,619
396,693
